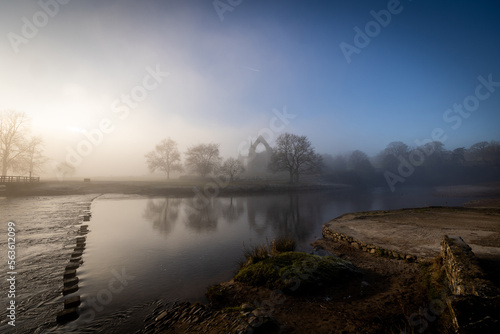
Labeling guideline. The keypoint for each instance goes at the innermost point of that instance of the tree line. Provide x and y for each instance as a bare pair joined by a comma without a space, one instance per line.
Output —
427,164
430,164
202,159
293,154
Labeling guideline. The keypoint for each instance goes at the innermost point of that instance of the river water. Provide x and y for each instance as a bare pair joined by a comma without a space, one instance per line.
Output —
143,249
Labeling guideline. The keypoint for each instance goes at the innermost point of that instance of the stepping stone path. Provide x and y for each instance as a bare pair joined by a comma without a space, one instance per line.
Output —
70,280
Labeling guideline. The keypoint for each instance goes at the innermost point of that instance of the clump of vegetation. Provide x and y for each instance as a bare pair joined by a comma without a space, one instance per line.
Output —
261,252
434,277
293,270
282,245
256,254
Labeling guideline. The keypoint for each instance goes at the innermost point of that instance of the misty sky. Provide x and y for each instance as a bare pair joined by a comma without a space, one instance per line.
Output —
233,69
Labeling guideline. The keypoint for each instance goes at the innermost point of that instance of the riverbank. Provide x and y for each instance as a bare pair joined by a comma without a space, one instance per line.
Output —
159,188
387,298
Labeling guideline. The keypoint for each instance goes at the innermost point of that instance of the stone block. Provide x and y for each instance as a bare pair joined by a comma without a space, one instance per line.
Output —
67,315
69,273
70,281
72,302
70,289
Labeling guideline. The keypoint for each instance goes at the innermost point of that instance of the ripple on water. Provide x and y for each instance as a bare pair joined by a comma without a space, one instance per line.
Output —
45,231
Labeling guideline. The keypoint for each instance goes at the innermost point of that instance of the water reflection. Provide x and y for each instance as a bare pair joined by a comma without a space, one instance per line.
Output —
204,219
294,214
232,208
163,213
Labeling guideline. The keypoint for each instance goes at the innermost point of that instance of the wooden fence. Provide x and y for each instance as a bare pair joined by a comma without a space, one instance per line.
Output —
18,179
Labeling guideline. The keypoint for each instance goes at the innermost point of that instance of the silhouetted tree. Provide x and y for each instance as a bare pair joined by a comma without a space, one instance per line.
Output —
33,160
13,139
165,158
295,155
361,167
389,157
231,167
494,151
458,156
203,158
479,151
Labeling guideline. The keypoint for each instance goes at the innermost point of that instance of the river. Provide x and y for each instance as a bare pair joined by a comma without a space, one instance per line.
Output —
142,249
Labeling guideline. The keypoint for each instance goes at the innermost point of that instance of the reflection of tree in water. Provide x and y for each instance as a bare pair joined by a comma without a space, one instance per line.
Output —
163,213
232,208
202,218
291,215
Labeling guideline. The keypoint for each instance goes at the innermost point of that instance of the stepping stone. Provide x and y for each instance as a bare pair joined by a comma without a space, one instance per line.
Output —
80,239
67,315
76,254
69,273
72,302
76,259
86,218
71,289
72,266
79,249
70,281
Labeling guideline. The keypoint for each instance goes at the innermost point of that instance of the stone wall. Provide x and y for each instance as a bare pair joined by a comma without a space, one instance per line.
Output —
373,249
465,276
475,302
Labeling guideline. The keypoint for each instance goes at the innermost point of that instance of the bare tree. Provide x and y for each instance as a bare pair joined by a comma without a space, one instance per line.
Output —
33,159
295,155
203,158
12,139
389,157
479,151
231,167
165,158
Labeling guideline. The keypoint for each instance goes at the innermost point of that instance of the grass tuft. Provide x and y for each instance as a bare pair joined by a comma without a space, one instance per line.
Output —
264,251
283,245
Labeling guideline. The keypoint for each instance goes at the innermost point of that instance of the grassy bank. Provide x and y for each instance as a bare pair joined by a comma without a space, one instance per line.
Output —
159,188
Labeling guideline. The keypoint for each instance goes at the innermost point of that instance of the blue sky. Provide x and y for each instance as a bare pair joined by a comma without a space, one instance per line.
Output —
227,76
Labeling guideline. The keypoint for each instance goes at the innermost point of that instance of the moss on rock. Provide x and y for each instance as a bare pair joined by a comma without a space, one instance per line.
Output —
293,271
